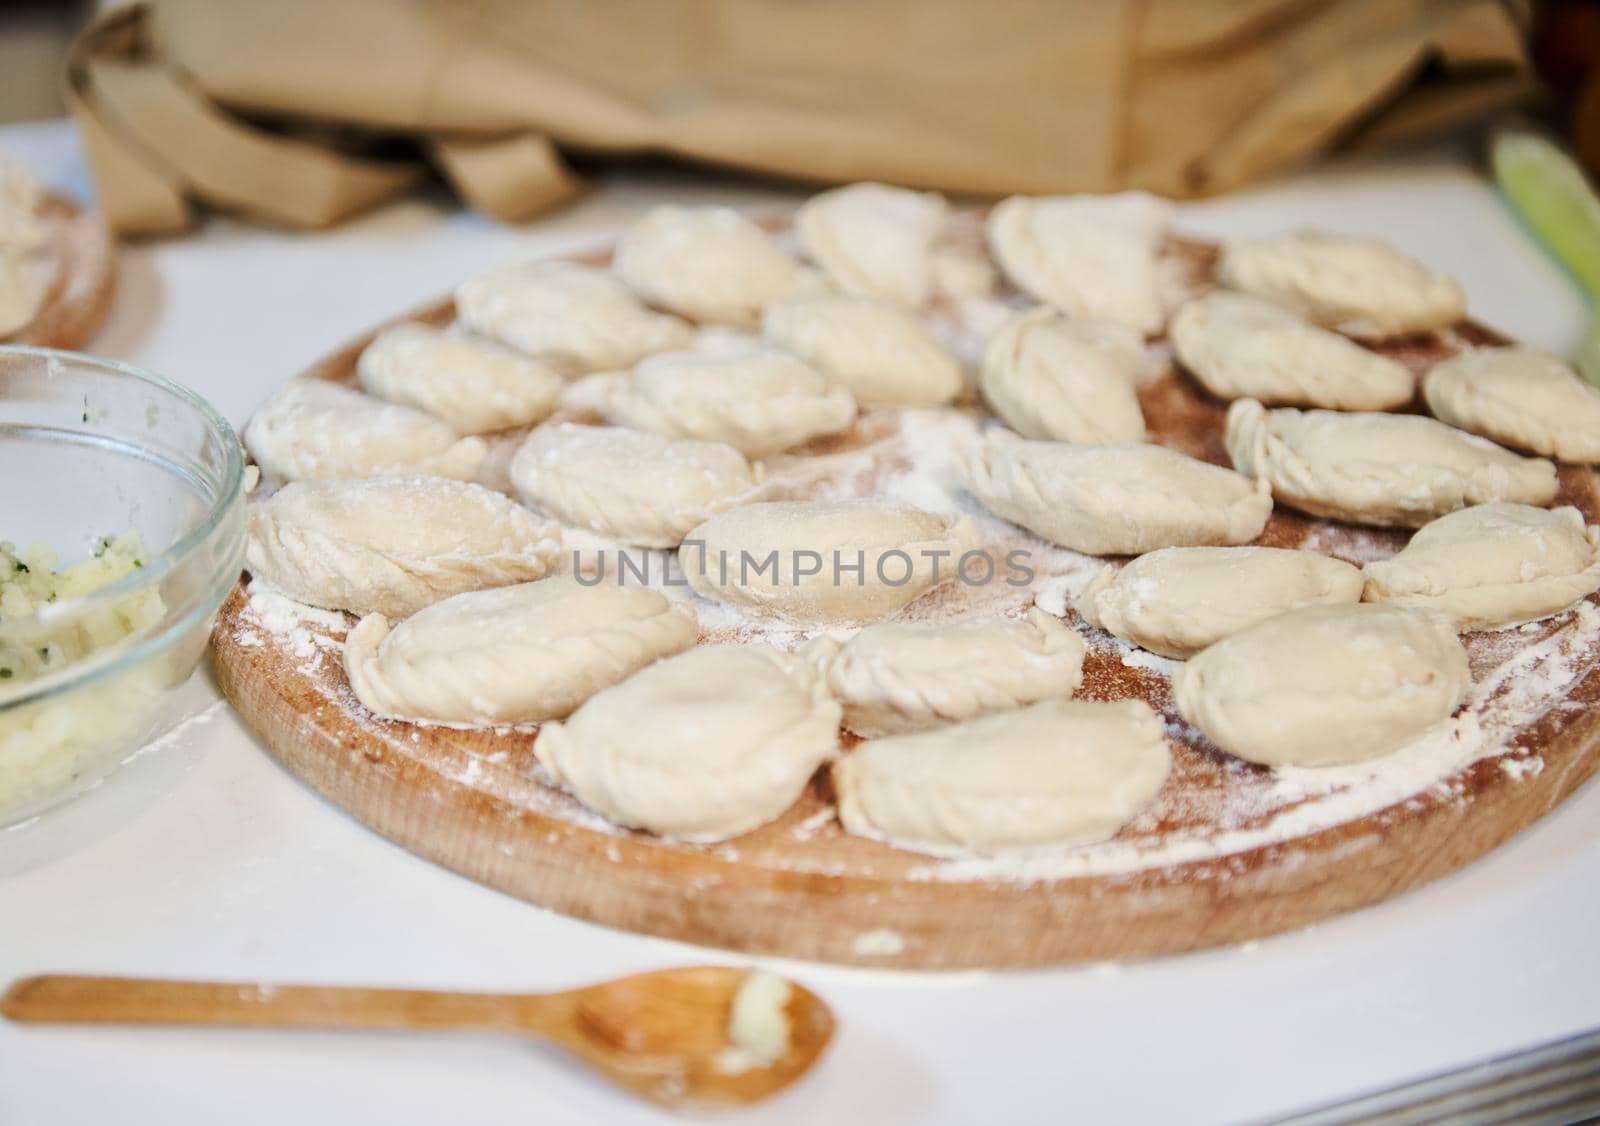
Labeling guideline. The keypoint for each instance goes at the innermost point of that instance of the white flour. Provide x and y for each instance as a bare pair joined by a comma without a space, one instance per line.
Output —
916,457
1515,694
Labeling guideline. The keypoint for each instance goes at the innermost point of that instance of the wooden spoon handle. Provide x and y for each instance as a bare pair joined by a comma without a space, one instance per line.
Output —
63,998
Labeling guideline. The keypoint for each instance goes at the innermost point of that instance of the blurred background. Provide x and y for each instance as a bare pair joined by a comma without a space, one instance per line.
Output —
34,36
301,113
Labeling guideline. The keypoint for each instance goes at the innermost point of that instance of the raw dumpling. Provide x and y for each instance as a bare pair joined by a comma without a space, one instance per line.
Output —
314,429
22,230
1325,685
1115,500
1387,469
1070,381
1361,286
873,240
1493,565
22,290
392,545
758,402
899,677
963,273
1178,600
472,385
708,264
629,485
1520,397
882,354
1061,772
1092,257
702,746
824,562
575,317
516,654
1243,347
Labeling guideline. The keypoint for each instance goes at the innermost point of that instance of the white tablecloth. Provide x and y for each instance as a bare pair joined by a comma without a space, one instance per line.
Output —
207,859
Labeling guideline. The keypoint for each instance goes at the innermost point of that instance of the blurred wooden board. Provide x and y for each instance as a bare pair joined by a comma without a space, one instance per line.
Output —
82,262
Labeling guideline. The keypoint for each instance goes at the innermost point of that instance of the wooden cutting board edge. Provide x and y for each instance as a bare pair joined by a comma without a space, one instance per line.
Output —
79,297
628,882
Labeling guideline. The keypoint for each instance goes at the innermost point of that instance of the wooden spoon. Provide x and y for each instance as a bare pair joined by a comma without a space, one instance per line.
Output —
662,1035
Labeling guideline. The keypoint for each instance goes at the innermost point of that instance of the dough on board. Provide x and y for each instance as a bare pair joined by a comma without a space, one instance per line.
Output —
1177,600
1525,398
897,677
873,240
22,290
22,228
1493,565
1361,286
630,485
1396,470
702,746
313,429
392,545
1065,380
1244,347
882,354
473,385
1060,772
1091,256
824,562
515,654
708,264
1325,685
1115,500
574,317
759,402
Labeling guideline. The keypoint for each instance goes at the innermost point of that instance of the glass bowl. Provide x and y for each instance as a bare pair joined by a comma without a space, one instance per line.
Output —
91,449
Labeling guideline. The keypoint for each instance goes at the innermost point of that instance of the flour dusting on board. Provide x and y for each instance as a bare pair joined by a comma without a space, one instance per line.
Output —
1219,808
1213,810
1307,799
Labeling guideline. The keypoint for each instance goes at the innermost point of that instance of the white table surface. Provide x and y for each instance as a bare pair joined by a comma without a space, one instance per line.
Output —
207,859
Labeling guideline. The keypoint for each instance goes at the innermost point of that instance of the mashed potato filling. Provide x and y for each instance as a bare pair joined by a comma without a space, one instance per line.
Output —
45,746
758,1027
31,644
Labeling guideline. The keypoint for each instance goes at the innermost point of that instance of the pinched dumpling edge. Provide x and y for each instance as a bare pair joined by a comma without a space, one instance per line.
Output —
1364,499
1256,722
280,454
623,645
1193,633
957,535
382,373
632,517
1399,581
781,762
1034,407
947,805
1238,520
634,332
321,567
756,427
882,699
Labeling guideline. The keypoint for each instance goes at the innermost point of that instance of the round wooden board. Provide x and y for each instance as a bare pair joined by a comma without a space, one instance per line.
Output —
83,266
801,887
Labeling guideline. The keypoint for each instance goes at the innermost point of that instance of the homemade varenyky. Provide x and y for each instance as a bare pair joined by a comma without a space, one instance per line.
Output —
788,518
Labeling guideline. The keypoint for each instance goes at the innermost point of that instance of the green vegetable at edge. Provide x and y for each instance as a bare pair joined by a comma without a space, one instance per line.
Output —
1555,199
1589,353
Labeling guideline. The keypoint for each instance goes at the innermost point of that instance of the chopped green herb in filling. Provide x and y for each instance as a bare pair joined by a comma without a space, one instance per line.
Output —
32,578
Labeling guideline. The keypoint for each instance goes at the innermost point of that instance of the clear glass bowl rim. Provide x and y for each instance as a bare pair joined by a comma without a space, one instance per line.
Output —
229,490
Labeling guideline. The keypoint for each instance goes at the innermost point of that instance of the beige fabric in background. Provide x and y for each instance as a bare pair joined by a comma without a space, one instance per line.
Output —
278,110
